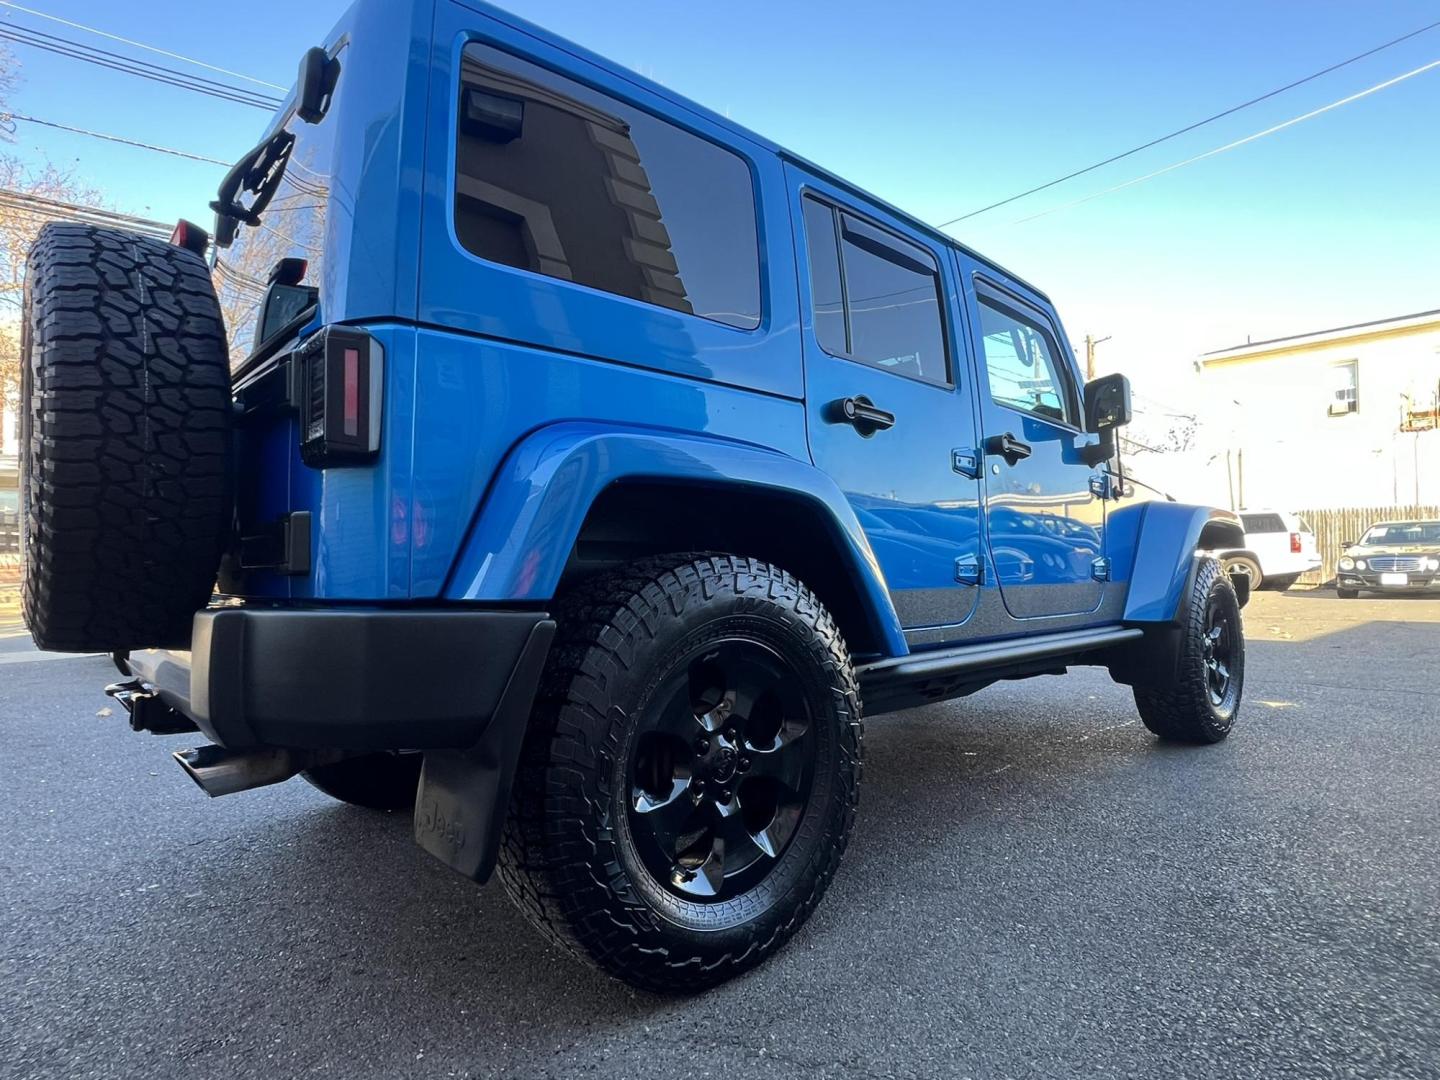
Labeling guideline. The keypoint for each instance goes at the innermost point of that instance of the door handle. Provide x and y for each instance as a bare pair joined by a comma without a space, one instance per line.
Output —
1008,447
860,413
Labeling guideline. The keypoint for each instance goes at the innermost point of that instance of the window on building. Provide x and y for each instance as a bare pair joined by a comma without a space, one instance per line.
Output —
875,297
1345,388
561,180
1023,364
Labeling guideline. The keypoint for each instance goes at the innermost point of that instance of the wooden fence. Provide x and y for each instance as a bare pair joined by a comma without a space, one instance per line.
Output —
1334,527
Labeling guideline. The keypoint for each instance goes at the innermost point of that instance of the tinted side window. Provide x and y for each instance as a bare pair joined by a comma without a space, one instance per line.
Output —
1263,523
892,297
875,297
827,299
558,179
1023,363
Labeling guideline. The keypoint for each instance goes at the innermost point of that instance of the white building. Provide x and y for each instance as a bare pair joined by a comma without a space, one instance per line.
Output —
1330,418
9,434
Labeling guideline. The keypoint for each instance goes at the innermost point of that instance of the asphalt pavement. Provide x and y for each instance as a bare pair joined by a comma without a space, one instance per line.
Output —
1036,888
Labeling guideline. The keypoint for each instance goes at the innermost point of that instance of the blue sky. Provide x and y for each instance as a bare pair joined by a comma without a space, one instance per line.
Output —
942,108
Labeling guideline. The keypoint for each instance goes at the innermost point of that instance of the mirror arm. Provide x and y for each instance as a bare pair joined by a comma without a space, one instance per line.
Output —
1100,452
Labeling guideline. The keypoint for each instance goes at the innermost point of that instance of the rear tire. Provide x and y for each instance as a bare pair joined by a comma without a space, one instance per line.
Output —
125,437
1201,705
1243,564
689,778
376,781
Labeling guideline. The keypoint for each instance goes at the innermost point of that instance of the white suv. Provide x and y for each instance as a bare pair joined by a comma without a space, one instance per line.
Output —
1281,548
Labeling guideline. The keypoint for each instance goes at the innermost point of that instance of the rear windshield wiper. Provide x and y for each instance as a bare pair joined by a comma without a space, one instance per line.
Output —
259,172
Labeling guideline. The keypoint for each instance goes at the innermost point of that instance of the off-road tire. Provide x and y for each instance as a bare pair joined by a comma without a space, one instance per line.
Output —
376,781
568,857
1243,564
1185,711
1347,594
125,436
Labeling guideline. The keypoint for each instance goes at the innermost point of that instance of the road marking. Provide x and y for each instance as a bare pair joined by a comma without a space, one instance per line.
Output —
41,657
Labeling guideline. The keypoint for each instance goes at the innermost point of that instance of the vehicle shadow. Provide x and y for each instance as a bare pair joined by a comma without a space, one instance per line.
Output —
360,911
364,910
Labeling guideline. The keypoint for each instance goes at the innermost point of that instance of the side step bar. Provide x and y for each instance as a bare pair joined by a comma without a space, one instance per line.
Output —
902,682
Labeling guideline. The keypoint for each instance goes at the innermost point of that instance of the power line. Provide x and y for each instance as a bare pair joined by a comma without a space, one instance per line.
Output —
119,62
41,206
1238,142
118,138
1189,127
142,45
141,68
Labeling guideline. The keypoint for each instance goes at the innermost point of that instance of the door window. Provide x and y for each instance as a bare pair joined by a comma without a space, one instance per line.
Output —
875,297
826,293
1024,364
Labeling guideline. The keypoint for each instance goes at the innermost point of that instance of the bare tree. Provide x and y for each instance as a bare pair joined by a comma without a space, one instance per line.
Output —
19,223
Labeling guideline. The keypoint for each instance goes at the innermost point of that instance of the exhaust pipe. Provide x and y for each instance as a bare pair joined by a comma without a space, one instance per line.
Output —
219,771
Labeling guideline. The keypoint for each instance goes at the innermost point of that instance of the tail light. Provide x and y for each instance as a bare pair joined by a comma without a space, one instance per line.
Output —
191,237
341,377
1295,547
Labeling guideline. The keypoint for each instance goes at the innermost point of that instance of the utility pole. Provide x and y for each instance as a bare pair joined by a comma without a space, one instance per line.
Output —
1090,343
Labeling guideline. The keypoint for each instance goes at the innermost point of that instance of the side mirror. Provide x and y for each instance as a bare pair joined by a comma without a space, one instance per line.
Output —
1107,407
1107,403
319,72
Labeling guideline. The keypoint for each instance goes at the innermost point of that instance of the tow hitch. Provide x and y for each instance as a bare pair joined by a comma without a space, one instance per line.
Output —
147,712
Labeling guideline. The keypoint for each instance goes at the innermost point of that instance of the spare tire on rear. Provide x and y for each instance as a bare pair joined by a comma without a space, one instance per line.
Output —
125,440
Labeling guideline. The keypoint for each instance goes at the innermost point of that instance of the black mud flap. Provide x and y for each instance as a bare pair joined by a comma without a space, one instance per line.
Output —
460,807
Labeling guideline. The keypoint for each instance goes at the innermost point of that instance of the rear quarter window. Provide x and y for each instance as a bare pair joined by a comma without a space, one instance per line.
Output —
1263,523
559,179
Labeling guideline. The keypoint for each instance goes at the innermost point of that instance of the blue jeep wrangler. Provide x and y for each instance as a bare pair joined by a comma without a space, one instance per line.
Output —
577,469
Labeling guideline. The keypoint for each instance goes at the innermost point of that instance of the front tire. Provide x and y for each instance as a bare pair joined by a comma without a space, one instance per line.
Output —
689,779
1201,704
1347,594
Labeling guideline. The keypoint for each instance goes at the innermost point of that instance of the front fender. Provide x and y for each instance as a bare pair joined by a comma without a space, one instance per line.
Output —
528,522
1166,540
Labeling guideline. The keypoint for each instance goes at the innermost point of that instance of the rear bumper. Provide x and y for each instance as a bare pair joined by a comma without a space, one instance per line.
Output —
348,679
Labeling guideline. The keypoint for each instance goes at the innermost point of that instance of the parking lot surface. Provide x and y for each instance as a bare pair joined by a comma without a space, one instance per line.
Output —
1036,888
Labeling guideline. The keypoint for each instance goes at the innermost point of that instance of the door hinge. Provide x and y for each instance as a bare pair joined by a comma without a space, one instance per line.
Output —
966,463
969,570
1101,486
1100,569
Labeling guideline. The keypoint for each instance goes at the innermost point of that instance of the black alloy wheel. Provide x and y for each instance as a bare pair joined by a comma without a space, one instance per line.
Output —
722,771
1218,648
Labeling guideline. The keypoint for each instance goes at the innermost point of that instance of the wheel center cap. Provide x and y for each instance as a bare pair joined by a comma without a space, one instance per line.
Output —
722,765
